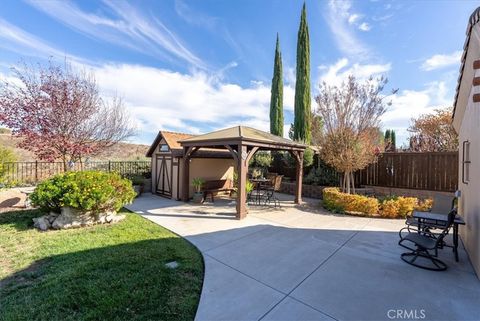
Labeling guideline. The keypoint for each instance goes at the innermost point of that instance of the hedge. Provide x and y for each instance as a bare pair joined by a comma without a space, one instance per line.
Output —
391,207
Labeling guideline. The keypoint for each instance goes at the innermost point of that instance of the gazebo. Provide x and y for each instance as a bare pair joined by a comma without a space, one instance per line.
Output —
242,142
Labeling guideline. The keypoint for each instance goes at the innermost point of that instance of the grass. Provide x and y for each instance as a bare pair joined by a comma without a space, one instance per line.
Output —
103,272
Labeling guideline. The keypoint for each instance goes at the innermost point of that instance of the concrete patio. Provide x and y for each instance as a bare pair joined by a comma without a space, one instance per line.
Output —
302,263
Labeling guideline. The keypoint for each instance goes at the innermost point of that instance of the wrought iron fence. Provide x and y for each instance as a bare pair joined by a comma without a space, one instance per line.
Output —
33,172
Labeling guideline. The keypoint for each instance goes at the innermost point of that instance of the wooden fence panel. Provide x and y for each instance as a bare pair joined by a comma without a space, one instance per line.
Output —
426,171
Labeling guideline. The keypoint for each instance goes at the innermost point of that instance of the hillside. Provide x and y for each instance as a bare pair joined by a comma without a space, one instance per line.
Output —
121,151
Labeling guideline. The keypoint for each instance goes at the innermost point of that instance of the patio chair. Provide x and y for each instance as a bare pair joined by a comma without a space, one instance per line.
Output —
273,186
424,244
442,204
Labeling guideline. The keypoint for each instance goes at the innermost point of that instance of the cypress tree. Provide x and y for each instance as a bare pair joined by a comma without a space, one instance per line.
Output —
393,140
276,100
302,121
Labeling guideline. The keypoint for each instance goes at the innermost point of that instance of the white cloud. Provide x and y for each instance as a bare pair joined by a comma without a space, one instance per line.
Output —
353,18
338,19
159,98
129,28
409,104
364,26
334,74
442,60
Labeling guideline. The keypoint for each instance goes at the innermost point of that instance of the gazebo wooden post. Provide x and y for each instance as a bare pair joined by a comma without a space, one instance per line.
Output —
242,169
187,153
298,182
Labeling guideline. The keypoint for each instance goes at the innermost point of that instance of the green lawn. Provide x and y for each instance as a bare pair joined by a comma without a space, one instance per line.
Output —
99,273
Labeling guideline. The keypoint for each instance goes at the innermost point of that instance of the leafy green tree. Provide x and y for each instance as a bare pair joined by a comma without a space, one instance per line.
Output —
302,121
276,100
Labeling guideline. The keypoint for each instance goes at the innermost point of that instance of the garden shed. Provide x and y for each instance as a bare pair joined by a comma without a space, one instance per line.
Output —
166,155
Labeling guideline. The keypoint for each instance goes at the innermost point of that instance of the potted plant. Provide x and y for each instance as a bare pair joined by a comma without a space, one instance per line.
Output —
197,184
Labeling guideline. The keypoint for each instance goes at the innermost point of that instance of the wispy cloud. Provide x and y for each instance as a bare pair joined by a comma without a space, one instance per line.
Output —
15,39
215,25
442,60
343,23
126,26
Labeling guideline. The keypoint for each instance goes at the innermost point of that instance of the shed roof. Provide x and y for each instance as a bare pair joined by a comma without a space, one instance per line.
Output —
241,134
171,138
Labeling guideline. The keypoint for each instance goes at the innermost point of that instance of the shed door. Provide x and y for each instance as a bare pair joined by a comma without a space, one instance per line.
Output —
164,175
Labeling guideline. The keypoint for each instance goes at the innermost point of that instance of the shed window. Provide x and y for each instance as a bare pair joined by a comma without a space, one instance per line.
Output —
466,162
164,148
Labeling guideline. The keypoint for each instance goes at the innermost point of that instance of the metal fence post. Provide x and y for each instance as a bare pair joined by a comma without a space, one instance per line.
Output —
109,166
36,171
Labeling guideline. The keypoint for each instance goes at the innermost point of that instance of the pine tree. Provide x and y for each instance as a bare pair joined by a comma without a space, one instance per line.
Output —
276,100
302,121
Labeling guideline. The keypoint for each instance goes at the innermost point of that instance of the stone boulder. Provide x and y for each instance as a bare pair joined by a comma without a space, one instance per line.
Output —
41,223
73,218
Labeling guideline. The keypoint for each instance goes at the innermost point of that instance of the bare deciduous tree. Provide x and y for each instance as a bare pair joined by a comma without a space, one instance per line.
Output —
59,113
351,118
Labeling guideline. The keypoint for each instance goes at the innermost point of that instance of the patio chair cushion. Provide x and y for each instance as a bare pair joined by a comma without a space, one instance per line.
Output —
421,240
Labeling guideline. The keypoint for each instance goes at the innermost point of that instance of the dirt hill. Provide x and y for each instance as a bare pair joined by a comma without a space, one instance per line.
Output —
121,151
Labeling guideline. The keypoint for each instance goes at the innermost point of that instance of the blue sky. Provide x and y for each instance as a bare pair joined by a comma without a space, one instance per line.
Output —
196,66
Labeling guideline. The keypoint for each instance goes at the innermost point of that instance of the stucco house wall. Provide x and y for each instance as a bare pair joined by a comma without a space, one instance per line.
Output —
467,124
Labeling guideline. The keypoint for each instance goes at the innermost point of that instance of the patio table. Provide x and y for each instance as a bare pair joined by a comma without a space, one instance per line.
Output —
436,219
262,188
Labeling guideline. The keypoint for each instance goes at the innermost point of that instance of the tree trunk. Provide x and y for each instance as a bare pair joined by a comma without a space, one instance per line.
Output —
353,183
347,176
65,166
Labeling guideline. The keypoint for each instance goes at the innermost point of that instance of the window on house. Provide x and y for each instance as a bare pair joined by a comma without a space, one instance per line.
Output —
466,162
163,148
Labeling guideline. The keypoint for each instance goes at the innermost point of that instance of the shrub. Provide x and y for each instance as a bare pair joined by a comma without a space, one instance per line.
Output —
424,205
321,175
391,206
91,191
136,179
6,156
394,206
336,201
261,159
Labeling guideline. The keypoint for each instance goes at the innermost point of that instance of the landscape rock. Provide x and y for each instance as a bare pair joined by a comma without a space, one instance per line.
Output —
41,223
51,217
73,218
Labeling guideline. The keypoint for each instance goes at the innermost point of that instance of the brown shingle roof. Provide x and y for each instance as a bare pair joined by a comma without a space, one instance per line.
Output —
171,138
243,133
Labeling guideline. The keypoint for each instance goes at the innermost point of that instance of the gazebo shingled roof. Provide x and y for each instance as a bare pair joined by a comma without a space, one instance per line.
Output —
242,142
244,134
